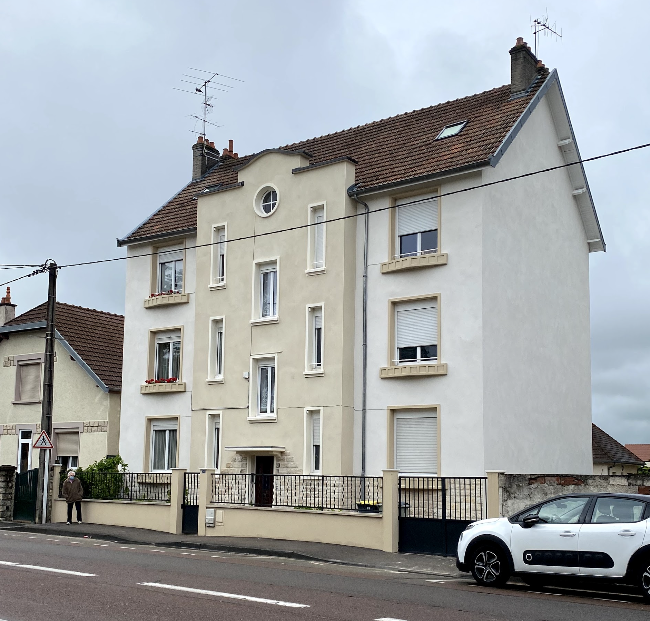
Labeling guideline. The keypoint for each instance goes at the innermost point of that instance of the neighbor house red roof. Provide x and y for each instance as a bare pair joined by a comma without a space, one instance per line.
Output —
95,335
393,150
642,451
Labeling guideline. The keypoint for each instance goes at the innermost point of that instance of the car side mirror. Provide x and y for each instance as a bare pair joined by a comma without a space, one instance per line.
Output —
529,521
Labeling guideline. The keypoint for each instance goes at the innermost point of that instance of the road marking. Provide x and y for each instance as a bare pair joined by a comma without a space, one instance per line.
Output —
248,598
52,569
388,619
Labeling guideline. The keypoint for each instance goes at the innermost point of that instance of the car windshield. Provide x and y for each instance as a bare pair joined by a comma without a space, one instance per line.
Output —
558,511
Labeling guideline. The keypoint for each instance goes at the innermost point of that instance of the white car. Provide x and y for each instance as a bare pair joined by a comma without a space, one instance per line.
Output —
593,536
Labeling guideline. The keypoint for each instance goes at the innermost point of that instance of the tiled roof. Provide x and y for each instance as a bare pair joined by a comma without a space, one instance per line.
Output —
392,150
95,335
606,450
642,451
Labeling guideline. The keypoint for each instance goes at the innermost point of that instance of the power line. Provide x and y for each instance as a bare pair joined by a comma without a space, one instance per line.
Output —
40,270
356,215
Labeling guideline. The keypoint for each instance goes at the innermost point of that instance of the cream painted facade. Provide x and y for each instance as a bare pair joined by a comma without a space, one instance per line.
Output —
79,404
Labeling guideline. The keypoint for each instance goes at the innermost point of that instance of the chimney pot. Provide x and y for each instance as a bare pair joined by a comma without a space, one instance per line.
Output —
520,41
199,139
230,145
7,309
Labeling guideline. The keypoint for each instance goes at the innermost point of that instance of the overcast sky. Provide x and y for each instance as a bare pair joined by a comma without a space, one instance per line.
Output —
93,138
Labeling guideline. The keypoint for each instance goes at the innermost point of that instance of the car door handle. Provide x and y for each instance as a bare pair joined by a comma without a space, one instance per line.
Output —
567,533
627,533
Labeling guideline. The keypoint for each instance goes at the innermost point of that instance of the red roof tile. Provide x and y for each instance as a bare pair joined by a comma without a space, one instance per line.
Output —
391,150
642,451
96,336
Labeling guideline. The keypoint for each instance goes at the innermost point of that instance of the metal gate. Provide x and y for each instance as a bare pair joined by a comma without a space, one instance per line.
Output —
434,511
25,496
190,504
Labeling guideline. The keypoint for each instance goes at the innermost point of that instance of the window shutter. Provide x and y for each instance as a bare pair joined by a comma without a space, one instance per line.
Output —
319,238
168,337
67,443
315,424
30,382
417,326
170,254
417,217
416,444
318,319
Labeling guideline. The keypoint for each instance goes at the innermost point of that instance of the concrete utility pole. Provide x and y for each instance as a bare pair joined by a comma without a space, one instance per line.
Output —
48,394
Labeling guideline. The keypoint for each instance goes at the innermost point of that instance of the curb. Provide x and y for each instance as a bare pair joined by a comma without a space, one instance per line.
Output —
290,554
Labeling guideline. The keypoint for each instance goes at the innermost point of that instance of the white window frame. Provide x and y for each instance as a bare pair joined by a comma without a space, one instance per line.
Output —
217,324
162,424
167,336
27,441
419,413
173,254
433,196
312,267
36,359
213,444
261,267
257,362
219,249
429,302
310,340
308,460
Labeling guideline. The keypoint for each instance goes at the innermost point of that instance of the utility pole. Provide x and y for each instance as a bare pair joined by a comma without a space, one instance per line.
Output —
48,395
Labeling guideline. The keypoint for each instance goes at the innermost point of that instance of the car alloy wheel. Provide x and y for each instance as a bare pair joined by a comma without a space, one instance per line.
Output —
645,580
487,566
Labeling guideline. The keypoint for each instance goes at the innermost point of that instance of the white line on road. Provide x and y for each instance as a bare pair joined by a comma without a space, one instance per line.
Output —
52,569
388,619
248,598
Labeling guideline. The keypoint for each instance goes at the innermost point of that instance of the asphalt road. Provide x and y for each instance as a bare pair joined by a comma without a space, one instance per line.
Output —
65,579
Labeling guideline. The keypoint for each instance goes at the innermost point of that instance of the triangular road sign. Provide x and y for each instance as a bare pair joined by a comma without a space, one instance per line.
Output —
43,441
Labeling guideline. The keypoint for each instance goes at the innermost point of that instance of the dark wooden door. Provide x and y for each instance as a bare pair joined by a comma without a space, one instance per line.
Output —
264,481
25,495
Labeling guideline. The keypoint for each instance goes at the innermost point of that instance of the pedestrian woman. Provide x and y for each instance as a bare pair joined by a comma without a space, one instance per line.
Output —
73,493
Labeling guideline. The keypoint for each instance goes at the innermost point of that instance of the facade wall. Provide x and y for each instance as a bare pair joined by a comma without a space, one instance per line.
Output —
285,339
458,394
138,409
77,399
536,365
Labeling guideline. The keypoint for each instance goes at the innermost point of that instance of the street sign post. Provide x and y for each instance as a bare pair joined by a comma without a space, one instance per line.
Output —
43,441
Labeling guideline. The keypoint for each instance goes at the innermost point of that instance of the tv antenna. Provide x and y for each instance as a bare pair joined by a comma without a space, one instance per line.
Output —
541,26
202,85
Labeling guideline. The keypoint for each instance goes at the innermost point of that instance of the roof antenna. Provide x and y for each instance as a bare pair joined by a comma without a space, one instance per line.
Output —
541,26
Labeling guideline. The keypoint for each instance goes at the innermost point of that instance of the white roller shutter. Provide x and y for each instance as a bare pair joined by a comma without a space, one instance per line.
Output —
315,424
417,326
67,444
417,217
30,381
318,319
172,253
416,444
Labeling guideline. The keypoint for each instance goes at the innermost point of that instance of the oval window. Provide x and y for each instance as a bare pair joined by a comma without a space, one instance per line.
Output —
269,201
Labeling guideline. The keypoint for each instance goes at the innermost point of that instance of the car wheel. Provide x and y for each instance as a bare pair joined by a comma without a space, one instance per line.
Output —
643,573
490,566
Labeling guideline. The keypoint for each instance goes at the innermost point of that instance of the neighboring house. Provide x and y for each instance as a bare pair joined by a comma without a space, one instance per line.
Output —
87,382
642,451
610,456
468,347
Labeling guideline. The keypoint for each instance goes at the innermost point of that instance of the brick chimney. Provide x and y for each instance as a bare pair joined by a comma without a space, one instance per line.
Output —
228,152
7,309
523,66
204,157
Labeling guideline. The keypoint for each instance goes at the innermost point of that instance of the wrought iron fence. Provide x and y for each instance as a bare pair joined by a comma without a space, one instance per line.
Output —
443,498
332,493
191,488
155,486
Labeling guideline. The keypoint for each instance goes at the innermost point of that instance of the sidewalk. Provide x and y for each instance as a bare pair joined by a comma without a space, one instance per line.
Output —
344,555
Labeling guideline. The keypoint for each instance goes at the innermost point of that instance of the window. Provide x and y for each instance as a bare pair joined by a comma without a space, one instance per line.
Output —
269,201
266,201
416,442
416,332
314,350
216,348
163,445
168,356
219,255
608,510
170,270
315,436
216,443
266,388
269,290
417,226
560,511
24,451
67,448
451,130
28,381
317,237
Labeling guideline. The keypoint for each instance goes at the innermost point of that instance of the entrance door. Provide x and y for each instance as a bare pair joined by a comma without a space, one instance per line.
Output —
25,495
264,481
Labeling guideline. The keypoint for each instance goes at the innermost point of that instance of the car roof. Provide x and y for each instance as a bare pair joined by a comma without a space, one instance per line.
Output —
643,497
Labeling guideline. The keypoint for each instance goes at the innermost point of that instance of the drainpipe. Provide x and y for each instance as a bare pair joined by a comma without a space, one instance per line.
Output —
364,331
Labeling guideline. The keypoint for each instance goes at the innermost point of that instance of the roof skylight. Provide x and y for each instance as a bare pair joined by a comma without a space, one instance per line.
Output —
451,130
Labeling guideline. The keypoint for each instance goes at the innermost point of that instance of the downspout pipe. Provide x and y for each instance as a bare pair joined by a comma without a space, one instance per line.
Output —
364,331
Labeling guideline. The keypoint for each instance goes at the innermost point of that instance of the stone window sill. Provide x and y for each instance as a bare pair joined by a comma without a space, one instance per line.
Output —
165,300
412,263
218,285
318,373
315,271
413,370
264,320
148,389
262,419
216,380
26,402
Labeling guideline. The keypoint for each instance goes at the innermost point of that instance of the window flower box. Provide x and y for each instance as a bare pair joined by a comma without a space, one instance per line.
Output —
162,386
165,298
